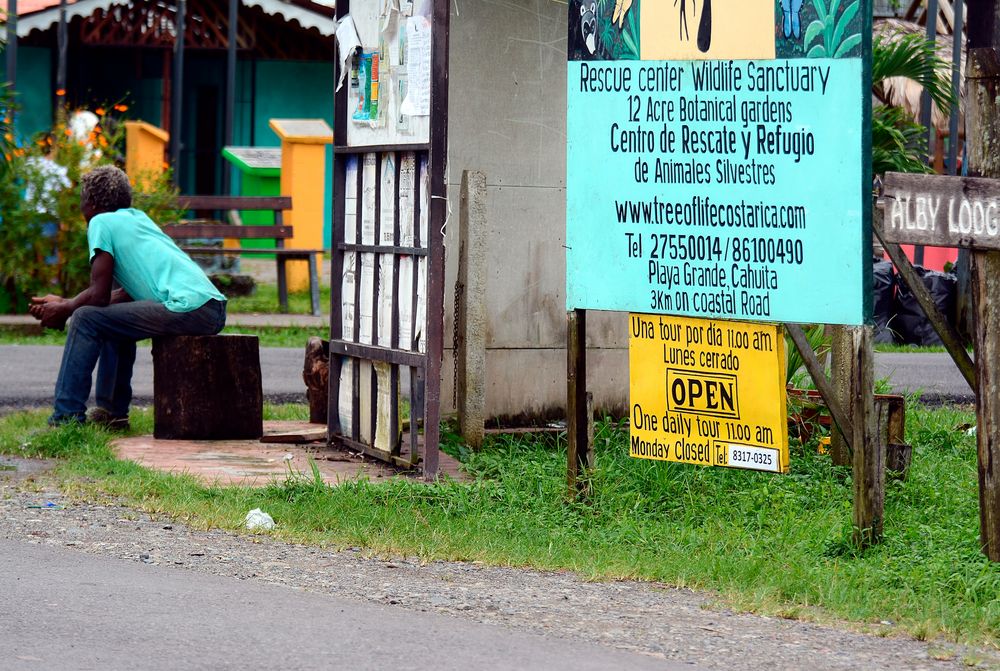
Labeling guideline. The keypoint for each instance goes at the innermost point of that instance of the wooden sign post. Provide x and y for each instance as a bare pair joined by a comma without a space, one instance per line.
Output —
962,212
983,119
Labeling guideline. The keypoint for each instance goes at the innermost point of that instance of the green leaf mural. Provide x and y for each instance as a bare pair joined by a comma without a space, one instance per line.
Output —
830,30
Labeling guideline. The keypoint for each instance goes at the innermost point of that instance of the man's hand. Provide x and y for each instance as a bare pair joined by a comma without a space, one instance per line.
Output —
51,310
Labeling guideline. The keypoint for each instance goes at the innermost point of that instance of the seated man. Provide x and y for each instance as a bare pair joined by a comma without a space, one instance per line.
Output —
163,292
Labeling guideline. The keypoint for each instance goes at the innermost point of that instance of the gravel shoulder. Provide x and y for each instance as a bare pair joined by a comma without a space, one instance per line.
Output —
674,624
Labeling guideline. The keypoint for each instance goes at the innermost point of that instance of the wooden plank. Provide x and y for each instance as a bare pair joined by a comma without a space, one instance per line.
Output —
578,450
188,231
234,202
296,437
841,373
949,336
983,124
942,211
986,304
868,452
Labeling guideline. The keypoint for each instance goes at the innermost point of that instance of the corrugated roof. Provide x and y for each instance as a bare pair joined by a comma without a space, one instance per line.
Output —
43,14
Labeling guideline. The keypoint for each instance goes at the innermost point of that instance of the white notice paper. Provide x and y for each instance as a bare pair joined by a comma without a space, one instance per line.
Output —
351,201
418,64
368,200
367,299
345,400
407,194
387,205
347,42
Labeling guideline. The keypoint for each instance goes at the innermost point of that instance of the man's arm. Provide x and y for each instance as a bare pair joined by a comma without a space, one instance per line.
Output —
120,296
53,311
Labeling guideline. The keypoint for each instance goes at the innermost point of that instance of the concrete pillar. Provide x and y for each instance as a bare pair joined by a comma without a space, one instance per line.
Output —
303,178
471,296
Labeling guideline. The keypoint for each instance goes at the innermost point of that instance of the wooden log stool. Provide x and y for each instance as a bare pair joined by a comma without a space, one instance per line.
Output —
207,388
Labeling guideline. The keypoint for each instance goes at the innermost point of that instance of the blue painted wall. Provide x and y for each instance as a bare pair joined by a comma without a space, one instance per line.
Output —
35,90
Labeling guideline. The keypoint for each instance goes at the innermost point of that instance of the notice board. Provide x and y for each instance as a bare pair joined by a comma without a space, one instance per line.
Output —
718,159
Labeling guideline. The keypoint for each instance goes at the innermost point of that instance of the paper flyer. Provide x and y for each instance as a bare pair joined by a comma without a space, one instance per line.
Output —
418,67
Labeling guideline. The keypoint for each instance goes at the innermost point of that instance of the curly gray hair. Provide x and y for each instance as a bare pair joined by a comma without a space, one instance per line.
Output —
106,189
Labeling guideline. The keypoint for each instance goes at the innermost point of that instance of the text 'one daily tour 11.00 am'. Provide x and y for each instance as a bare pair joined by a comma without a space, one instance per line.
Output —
716,188
707,392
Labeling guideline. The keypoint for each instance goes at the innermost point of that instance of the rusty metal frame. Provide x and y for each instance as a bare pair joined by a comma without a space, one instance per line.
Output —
424,367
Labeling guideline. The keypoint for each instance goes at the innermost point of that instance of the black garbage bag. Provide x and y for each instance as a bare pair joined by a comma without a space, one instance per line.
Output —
884,286
912,324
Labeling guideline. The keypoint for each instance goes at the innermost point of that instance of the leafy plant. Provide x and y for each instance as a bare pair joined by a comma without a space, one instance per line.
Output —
835,42
913,57
898,142
818,340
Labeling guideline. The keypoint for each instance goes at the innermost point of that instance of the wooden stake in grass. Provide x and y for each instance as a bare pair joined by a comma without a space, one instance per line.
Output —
869,457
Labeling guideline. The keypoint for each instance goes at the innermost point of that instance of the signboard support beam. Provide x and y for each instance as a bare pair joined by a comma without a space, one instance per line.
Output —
868,450
842,360
858,423
986,301
579,416
983,119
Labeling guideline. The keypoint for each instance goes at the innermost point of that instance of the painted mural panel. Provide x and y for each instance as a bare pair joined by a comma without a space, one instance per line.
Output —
707,29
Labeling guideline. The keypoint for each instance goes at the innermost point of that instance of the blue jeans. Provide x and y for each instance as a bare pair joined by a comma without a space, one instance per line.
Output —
109,335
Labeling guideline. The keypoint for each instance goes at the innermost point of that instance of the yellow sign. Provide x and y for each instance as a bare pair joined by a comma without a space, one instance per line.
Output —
707,29
708,392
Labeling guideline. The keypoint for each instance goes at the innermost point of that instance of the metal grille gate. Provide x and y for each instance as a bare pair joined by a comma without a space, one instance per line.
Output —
387,266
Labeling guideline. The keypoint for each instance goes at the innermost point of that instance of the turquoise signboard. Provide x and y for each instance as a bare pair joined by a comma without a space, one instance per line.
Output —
731,181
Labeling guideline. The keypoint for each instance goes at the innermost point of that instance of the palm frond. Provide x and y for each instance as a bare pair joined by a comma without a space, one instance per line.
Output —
911,57
898,142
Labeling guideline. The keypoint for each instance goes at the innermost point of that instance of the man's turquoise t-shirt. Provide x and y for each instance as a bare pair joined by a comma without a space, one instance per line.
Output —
148,265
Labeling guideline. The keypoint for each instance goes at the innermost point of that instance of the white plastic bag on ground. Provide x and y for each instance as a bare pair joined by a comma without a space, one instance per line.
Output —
258,519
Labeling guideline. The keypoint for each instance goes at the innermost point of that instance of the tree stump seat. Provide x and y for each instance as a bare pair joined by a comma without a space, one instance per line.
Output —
207,388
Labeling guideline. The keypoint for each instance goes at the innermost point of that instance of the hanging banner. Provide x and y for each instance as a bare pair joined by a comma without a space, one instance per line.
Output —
717,163
707,392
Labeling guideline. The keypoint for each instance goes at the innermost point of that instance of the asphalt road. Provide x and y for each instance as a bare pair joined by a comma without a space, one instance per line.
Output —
66,610
28,374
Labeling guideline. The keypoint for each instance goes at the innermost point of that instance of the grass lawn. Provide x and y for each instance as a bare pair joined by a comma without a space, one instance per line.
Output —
283,336
265,301
767,543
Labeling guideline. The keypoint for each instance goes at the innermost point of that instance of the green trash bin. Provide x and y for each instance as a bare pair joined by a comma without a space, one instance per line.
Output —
260,175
